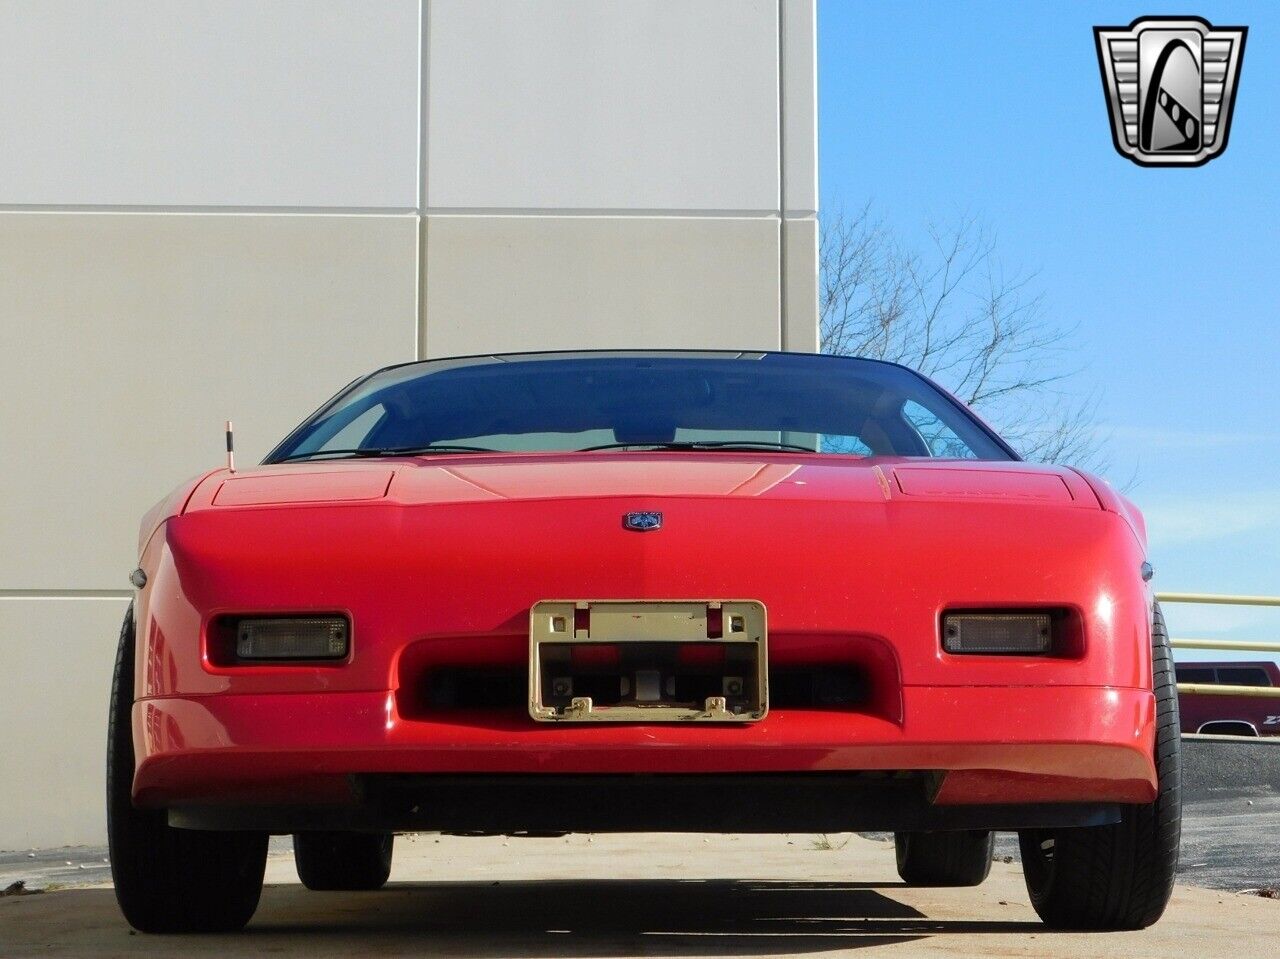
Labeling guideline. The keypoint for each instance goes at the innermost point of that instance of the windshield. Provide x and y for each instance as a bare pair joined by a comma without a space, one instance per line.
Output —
576,401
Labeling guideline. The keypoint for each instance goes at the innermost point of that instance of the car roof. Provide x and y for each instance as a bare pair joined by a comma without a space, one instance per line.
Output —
471,359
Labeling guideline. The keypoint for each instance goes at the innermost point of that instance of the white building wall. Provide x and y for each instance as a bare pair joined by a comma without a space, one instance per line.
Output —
229,209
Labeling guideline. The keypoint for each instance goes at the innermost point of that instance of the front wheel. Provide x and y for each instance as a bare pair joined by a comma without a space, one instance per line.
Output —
166,879
343,860
1118,876
944,858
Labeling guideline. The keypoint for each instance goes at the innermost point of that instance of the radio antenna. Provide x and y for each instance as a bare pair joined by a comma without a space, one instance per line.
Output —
231,448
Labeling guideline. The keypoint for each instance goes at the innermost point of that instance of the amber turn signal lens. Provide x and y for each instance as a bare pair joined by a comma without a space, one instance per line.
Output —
292,638
1019,634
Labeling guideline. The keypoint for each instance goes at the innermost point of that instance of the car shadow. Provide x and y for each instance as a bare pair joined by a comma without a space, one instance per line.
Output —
511,920
668,917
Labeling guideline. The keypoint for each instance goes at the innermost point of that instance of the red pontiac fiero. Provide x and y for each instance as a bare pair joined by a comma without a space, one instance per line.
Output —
643,591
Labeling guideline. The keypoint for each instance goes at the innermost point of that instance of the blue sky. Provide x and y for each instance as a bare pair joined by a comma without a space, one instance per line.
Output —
931,110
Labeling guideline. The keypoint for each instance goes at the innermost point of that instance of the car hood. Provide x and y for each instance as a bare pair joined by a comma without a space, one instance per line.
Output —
433,548
734,475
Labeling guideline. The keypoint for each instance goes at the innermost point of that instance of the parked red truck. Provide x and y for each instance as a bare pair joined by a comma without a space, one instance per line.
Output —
1230,715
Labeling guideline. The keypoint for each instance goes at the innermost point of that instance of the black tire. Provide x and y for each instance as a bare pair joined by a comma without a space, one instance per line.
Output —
944,858
166,879
343,860
1118,876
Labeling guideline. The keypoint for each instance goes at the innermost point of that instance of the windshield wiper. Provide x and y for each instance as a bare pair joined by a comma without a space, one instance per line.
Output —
702,445
389,451
441,448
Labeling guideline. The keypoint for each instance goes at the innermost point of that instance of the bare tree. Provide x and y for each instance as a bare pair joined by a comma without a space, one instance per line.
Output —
954,315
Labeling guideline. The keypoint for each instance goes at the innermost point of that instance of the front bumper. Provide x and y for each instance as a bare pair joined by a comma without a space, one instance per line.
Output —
979,747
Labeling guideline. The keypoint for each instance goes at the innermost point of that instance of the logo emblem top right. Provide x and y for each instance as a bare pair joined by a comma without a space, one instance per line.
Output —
1170,84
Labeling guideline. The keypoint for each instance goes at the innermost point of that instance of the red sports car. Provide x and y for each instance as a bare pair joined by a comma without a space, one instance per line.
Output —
643,590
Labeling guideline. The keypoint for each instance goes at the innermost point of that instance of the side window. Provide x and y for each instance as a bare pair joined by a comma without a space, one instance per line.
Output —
1248,676
1194,674
937,436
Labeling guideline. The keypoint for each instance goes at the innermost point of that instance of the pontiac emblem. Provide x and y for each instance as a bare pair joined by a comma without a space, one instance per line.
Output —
1170,84
642,522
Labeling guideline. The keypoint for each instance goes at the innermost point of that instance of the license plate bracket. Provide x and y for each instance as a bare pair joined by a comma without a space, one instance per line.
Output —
645,661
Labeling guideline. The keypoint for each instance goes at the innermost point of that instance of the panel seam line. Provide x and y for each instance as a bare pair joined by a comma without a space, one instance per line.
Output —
782,180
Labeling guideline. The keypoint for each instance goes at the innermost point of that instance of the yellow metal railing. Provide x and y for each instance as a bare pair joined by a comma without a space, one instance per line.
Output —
1252,646
1218,599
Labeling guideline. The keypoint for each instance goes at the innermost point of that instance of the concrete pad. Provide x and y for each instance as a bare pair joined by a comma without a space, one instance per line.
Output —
663,895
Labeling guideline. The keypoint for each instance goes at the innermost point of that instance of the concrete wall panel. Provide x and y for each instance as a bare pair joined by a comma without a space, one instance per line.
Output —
799,106
209,102
52,781
800,284
136,335
541,283
602,104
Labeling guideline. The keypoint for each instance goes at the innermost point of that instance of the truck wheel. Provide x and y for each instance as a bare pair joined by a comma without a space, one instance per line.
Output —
343,860
944,858
167,879
1118,876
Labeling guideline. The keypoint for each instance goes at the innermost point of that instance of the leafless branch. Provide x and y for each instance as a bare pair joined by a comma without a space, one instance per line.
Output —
954,314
